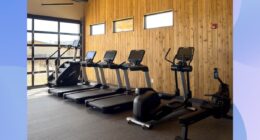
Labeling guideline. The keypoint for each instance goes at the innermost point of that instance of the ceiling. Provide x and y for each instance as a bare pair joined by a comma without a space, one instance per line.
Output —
75,11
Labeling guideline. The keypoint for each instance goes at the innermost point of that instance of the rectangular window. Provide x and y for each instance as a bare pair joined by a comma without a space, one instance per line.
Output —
29,80
40,79
43,38
164,19
123,25
69,28
45,25
29,52
29,66
29,24
44,52
29,38
69,53
68,39
98,29
40,65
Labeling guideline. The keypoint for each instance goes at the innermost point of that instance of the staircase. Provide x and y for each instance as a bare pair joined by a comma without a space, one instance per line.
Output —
68,75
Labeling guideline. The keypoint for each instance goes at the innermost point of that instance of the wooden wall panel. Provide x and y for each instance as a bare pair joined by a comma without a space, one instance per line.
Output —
192,27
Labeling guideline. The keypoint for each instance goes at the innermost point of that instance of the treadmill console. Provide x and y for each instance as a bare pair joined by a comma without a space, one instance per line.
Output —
110,56
108,59
89,59
136,57
90,56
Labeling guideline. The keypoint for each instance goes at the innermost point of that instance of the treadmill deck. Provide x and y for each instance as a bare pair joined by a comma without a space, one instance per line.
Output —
59,91
113,104
82,96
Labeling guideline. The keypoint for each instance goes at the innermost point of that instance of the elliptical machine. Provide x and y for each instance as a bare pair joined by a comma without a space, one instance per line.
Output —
148,108
218,107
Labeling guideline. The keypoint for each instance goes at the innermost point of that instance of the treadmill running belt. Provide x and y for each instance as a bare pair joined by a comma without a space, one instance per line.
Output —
114,104
59,91
82,96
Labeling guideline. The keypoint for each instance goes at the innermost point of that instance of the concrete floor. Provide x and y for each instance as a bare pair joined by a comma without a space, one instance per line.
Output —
52,118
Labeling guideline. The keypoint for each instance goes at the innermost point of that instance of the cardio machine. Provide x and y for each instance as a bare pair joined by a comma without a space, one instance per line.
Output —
150,108
66,74
59,91
104,90
123,101
218,107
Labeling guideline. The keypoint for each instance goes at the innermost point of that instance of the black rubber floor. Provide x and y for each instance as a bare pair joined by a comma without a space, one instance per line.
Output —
52,118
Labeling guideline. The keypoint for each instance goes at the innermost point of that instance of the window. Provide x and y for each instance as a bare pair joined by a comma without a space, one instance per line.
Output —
49,34
40,65
29,52
69,53
29,66
164,19
40,79
29,80
98,29
68,39
43,38
45,25
44,51
29,24
29,38
69,28
123,25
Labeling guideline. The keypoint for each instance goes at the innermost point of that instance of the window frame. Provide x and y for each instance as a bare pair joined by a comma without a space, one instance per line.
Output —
122,19
156,13
58,45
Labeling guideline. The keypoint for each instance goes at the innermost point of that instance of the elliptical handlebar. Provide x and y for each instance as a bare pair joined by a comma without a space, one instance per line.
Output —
216,76
167,56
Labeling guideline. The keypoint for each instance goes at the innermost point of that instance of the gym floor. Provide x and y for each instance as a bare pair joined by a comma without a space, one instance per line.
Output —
52,118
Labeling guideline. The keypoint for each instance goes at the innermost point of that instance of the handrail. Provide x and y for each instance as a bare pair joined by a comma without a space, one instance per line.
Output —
167,56
47,63
62,54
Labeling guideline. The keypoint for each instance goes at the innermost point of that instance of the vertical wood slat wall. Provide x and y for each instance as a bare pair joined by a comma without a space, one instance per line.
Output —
192,27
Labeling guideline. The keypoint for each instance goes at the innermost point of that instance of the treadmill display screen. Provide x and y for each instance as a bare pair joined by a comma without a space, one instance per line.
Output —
90,55
110,56
136,56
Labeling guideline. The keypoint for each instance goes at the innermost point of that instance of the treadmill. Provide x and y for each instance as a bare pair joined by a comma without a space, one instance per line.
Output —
81,96
59,91
123,101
